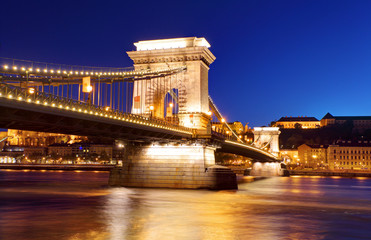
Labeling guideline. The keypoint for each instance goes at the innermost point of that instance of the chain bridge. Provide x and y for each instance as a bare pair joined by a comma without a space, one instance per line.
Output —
160,108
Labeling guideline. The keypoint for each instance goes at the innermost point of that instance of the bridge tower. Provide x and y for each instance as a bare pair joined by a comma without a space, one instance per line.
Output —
173,164
191,86
267,136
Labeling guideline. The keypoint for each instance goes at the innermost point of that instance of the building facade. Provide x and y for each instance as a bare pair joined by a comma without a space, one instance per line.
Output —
360,123
312,156
298,122
350,155
39,139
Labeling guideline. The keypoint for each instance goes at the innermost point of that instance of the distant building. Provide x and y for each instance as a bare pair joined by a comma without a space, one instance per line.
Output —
34,151
350,155
60,150
39,139
359,122
290,156
312,156
297,122
243,132
81,150
235,126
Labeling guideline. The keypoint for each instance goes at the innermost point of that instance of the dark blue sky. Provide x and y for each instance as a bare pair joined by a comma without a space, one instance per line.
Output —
273,58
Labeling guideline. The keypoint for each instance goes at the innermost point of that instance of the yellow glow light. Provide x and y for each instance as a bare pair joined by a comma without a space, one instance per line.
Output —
23,69
14,67
90,88
38,70
151,108
31,90
6,67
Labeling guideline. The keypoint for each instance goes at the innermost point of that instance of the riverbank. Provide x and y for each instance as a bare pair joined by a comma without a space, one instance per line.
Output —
345,173
64,167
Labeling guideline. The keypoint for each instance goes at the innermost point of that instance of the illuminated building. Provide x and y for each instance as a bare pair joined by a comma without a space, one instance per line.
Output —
290,156
39,139
81,150
313,156
237,127
350,155
358,122
34,151
298,122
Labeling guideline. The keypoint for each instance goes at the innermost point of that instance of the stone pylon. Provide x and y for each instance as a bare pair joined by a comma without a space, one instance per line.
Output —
191,85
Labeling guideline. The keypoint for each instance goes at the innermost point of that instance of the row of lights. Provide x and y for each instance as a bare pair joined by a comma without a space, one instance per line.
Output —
52,71
32,90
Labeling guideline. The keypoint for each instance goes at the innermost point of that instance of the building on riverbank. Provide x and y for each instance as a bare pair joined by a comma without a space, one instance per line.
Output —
312,156
353,155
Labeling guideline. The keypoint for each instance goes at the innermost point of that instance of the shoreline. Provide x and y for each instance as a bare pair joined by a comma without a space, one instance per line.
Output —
65,167
330,173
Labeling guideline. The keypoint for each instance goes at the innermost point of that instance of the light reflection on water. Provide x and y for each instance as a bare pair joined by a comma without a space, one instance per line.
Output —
68,205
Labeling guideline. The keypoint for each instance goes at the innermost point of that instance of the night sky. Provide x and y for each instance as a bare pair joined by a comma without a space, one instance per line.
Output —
273,58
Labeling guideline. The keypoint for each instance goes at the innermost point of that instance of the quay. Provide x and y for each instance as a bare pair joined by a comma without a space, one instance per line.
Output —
325,173
64,167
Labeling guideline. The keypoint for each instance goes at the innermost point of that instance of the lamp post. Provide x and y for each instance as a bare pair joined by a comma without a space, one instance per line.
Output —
90,89
151,108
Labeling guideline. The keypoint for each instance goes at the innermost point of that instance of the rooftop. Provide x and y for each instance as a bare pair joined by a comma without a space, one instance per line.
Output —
297,119
171,43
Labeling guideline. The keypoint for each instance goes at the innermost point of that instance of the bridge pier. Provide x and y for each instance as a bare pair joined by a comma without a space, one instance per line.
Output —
190,166
267,169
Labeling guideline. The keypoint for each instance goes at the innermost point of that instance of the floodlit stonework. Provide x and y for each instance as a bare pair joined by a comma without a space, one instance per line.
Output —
192,86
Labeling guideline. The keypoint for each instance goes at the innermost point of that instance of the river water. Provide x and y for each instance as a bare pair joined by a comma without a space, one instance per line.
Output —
79,205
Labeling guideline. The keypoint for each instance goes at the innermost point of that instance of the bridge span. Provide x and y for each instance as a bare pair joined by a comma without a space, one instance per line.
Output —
161,109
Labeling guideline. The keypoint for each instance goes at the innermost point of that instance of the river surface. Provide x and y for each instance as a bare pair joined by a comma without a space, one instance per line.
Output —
37,205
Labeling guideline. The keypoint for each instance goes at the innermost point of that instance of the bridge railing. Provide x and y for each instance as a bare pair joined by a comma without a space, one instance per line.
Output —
30,95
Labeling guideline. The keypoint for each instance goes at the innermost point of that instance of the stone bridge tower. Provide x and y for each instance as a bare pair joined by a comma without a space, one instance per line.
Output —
192,85
267,137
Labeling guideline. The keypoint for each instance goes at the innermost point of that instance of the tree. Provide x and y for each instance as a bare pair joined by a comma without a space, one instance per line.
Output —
298,126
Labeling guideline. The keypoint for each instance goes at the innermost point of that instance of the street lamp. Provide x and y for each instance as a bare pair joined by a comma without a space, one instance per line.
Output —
151,108
31,90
